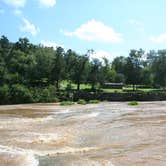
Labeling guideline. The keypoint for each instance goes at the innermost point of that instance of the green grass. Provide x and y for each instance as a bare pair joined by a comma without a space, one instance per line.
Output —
65,103
132,103
94,101
112,90
64,84
147,89
81,101
139,89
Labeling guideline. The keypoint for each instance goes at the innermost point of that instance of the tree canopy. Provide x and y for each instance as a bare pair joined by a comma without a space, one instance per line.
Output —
24,66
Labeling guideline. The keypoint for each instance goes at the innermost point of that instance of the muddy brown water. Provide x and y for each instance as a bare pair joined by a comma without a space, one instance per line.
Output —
105,134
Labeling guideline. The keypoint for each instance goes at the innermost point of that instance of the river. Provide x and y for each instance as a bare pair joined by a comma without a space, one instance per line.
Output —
105,134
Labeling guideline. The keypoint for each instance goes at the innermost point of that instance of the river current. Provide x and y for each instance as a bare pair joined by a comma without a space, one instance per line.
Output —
105,134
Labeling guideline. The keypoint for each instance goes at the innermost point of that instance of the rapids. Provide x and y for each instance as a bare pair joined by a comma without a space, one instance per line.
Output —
105,134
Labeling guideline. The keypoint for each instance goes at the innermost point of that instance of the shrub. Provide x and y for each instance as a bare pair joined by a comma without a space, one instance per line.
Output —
65,103
68,87
46,94
4,94
94,101
20,94
132,103
81,101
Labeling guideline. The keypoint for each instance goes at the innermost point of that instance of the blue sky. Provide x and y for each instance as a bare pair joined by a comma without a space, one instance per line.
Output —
110,27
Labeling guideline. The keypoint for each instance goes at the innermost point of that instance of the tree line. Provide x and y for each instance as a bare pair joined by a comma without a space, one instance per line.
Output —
28,70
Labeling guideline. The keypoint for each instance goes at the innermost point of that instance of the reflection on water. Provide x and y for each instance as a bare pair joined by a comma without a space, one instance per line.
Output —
105,134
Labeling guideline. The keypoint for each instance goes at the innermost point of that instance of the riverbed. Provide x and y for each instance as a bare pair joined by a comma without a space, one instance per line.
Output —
104,134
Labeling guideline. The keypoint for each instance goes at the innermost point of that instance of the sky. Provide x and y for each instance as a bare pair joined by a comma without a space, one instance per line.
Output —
110,27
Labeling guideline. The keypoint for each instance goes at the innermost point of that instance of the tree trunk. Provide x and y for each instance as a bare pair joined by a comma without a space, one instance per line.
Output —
57,85
133,87
93,87
78,85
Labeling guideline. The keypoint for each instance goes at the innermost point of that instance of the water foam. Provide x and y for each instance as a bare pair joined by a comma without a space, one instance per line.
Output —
26,120
89,115
93,115
27,157
40,138
65,150
90,162
30,154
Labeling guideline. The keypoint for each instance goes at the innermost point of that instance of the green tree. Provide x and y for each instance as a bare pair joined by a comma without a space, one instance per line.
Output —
119,64
70,61
107,73
159,68
80,69
133,67
146,76
5,50
94,72
58,70
40,66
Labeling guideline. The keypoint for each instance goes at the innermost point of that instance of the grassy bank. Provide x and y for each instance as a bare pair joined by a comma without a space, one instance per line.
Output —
16,94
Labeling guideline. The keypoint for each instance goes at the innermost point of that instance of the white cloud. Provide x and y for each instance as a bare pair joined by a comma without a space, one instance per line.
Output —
50,44
100,54
15,3
29,27
47,3
96,31
158,39
139,25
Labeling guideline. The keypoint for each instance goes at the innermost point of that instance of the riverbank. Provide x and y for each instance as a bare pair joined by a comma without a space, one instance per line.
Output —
48,95
127,96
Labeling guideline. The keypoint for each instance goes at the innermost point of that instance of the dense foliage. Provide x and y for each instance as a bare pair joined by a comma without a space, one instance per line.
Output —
32,73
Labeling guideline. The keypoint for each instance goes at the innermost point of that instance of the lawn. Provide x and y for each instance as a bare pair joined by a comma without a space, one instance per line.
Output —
64,85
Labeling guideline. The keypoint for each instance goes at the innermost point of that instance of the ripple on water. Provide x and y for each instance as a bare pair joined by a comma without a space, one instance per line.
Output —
74,161
71,136
16,157
41,138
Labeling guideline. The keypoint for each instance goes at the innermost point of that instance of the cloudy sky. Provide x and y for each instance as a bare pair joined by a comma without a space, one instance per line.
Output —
110,27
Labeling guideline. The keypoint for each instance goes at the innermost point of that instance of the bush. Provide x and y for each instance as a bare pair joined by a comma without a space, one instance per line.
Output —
4,94
68,87
46,94
20,94
132,103
65,103
94,101
81,101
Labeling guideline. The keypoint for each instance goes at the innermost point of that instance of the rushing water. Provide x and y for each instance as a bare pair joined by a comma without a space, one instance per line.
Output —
105,134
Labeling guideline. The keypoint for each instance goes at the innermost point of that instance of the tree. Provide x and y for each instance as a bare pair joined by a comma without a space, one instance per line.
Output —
80,69
70,61
40,63
146,76
133,67
94,72
58,70
119,64
151,56
23,45
5,50
159,68
107,73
